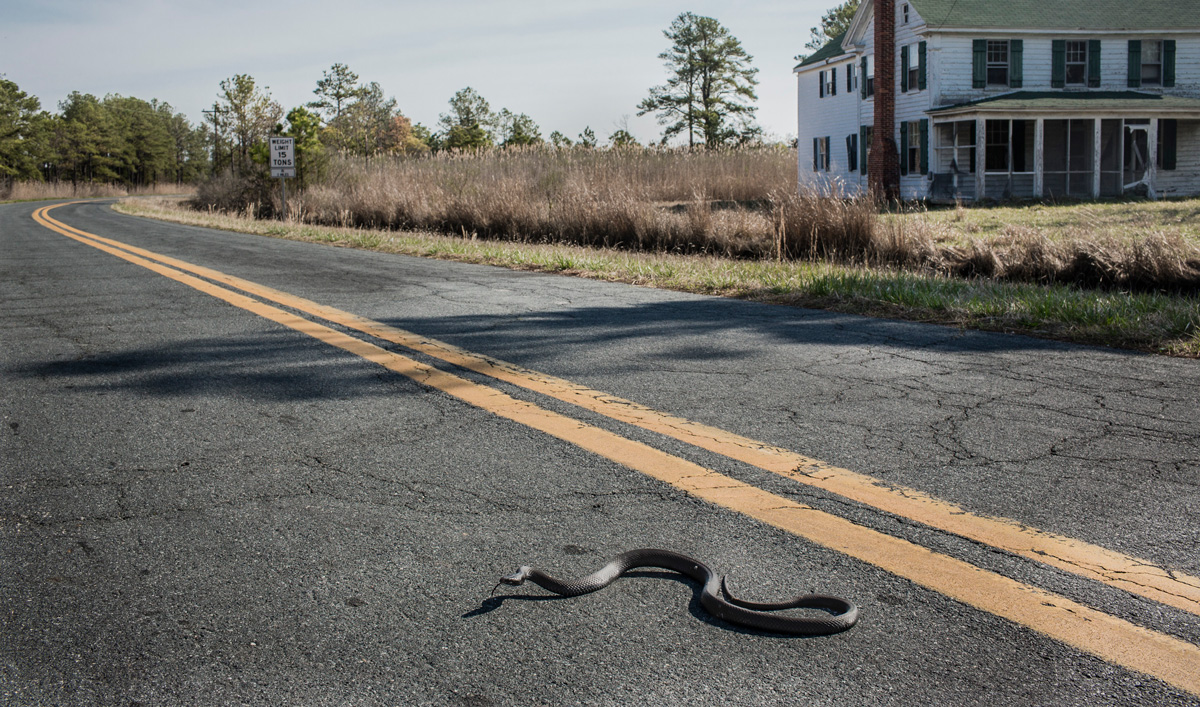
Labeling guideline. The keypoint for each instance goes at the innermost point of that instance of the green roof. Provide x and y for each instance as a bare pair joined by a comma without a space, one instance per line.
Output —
831,49
1060,14
1077,101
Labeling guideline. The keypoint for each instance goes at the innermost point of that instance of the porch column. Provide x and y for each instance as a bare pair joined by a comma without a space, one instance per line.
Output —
1096,158
980,158
1152,159
1039,161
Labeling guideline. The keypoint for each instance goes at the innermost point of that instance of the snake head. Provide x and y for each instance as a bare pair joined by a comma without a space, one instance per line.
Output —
515,579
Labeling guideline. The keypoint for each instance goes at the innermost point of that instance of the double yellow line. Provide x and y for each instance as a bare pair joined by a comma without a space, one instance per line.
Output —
1113,639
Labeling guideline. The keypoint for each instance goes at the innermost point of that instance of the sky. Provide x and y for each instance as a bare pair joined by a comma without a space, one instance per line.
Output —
566,64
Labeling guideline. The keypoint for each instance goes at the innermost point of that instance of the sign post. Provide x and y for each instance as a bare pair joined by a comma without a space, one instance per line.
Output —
283,164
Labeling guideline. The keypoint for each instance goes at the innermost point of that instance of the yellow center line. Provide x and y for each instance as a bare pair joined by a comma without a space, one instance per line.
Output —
1116,569
1116,640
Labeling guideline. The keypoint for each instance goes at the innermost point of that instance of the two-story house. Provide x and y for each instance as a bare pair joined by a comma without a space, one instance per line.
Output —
1012,99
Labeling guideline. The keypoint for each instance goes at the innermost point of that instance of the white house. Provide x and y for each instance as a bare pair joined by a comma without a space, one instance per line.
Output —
1012,99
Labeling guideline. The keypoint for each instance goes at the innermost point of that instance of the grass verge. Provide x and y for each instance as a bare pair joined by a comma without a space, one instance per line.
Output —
1155,323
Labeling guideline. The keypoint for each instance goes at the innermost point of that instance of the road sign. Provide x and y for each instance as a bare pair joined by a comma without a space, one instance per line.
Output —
283,157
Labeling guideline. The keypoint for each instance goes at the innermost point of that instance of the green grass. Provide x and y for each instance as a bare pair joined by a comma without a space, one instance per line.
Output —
1157,323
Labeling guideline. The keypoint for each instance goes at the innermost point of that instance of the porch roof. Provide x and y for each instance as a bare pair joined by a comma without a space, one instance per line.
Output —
1075,102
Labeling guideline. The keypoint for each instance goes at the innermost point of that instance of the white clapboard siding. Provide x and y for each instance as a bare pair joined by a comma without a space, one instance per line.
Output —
828,116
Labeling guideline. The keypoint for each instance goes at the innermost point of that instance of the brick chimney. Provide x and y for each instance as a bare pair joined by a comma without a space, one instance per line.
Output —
884,176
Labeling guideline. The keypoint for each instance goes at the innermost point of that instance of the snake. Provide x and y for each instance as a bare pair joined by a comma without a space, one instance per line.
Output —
715,595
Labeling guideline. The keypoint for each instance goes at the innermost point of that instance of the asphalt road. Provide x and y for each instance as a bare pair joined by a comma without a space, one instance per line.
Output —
200,506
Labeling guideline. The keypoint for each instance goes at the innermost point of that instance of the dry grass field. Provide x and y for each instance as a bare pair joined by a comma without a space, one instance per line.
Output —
1165,323
40,191
739,204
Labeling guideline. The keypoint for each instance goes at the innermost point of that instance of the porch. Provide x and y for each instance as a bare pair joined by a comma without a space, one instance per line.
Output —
1055,145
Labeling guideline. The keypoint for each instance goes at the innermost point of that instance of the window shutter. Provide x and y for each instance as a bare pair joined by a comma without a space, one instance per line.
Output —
1168,63
862,79
904,69
852,152
1094,63
862,148
816,154
979,63
1135,63
833,81
1016,63
821,84
1170,137
921,66
828,155
1058,63
924,146
849,77
903,147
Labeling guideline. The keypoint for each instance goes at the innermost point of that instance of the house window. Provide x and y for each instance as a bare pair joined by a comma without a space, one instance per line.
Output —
1152,62
905,13
870,77
1077,63
997,62
1009,146
820,154
914,147
914,67
829,79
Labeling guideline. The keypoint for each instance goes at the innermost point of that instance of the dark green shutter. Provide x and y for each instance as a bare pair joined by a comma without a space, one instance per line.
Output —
849,77
862,79
903,147
828,152
862,148
816,154
921,66
852,152
820,84
1168,67
904,69
1058,63
1093,63
1135,63
1170,137
833,81
979,63
924,146
1016,63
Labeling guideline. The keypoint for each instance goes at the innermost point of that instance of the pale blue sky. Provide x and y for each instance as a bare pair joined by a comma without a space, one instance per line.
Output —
567,64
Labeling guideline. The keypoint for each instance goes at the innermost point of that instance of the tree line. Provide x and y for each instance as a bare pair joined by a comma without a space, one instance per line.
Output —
117,139
707,101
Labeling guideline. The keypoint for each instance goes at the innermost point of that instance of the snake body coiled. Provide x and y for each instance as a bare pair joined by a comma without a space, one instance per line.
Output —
714,596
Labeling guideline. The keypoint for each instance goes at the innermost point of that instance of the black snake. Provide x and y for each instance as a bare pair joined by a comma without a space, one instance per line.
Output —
715,595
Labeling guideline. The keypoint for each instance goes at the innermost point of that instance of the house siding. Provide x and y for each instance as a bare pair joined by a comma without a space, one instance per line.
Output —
954,51
821,117
1185,179
911,105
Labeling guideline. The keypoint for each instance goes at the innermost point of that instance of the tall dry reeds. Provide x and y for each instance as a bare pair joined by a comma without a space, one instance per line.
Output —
738,203
31,191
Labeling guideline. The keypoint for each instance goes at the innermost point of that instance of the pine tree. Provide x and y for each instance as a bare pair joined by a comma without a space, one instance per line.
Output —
710,92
